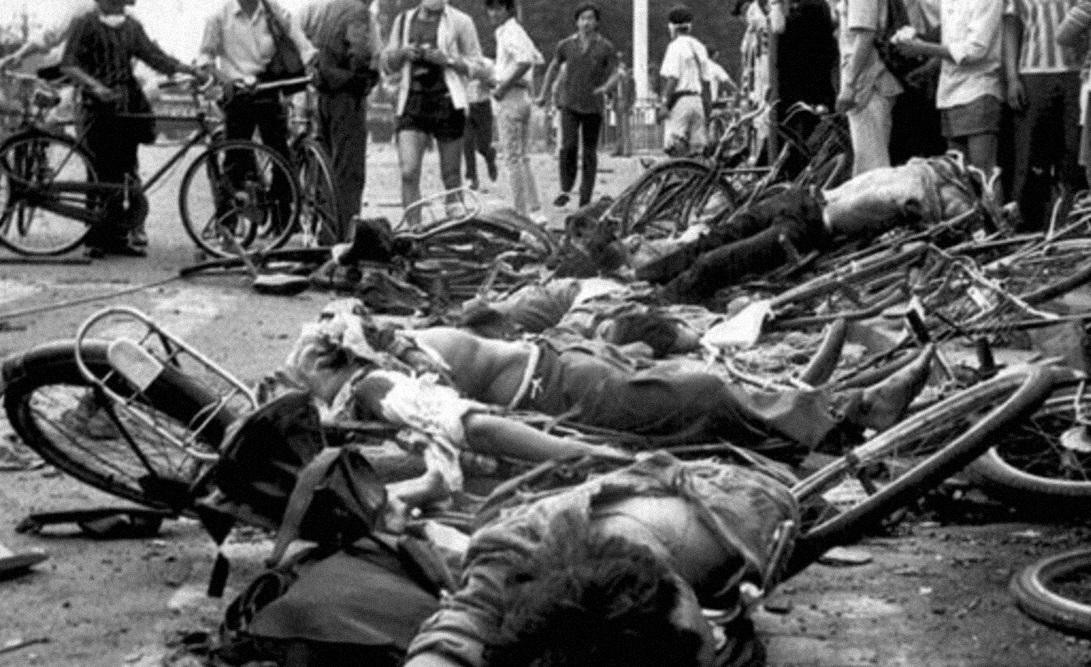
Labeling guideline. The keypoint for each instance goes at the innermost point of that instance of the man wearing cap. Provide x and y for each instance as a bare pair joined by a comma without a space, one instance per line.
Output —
684,71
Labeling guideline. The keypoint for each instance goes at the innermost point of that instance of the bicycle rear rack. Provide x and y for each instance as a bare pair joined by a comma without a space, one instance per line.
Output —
140,352
454,205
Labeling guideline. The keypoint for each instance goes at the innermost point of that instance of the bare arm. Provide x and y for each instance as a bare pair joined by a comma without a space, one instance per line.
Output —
863,47
501,436
547,81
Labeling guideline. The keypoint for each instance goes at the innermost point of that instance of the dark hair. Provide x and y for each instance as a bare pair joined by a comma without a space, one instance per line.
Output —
585,600
506,5
658,331
587,7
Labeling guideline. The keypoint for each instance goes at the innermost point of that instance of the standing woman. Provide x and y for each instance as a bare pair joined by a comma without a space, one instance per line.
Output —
516,56
590,62
432,45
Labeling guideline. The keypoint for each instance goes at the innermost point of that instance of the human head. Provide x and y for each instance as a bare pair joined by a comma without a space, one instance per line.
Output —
500,10
679,20
587,16
657,331
113,6
433,5
585,599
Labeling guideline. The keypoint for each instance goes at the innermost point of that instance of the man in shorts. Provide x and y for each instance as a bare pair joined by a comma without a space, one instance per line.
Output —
686,69
970,91
432,47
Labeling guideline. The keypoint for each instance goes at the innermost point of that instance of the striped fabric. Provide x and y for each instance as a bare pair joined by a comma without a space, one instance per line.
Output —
1040,52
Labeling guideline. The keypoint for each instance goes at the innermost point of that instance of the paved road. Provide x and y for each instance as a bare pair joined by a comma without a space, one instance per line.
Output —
936,595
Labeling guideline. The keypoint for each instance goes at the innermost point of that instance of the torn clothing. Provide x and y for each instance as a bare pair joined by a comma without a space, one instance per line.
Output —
741,509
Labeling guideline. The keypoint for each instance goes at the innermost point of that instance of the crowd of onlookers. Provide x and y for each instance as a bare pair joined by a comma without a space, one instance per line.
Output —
999,81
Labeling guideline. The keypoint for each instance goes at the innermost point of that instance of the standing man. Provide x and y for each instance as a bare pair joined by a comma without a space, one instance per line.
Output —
684,72
1043,87
591,71
236,47
970,89
623,98
348,46
431,46
868,89
479,122
100,48
516,57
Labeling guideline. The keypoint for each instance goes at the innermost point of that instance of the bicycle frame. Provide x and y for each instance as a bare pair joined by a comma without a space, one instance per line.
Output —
175,349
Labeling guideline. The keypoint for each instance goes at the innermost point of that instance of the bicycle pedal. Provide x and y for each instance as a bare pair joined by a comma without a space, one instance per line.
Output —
135,364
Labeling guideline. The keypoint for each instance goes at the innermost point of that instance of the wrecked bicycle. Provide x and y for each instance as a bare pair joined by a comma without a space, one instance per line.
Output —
138,413
52,196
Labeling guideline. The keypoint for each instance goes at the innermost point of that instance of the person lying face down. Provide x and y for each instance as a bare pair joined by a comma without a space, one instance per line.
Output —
661,404
615,570
764,236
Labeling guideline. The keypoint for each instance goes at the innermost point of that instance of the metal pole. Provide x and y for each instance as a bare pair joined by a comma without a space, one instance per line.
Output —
640,48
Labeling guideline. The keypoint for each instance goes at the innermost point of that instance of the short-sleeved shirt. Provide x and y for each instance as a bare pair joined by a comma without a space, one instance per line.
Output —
587,70
1039,51
514,48
971,32
874,77
687,61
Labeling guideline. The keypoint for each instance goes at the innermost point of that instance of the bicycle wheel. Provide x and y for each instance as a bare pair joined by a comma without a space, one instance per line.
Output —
75,427
870,482
35,168
1043,461
658,204
233,191
1056,591
464,255
318,215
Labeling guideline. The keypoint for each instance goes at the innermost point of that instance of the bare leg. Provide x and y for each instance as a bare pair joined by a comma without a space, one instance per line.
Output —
411,145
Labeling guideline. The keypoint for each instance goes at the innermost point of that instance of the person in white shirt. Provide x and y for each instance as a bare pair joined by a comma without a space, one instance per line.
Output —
516,57
970,89
684,71
236,47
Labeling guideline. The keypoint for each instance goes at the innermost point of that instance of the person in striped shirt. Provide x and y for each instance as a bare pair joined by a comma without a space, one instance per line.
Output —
1074,31
1043,85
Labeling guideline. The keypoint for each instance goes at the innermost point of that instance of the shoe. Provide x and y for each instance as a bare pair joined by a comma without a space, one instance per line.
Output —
561,200
138,238
474,185
126,249
490,165
883,405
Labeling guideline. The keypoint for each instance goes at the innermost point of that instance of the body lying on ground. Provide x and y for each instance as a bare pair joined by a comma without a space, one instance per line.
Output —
661,404
764,236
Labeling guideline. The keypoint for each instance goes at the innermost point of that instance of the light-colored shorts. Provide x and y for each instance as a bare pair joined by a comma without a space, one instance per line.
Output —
684,131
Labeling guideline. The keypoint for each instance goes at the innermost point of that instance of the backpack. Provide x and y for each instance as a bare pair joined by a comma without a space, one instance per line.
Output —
275,472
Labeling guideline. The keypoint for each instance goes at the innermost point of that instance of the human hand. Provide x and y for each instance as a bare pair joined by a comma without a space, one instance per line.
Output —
434,56
911,47
540,101
661,113
1017,98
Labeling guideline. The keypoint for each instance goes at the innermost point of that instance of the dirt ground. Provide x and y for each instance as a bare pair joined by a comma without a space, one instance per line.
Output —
934,593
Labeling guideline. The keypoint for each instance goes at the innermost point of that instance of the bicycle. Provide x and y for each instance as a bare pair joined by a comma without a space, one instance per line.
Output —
227,193
1054,591
319,216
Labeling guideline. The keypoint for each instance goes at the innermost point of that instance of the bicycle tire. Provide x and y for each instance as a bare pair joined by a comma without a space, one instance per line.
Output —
318,217
136,470
53,234
665,197
1031,466
1033,589
212,207
938,441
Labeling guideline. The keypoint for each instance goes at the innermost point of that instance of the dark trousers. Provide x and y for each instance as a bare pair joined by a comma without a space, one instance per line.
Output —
579,132
478,137
342,126
264,112
1047,143
112,147
915,127
754,240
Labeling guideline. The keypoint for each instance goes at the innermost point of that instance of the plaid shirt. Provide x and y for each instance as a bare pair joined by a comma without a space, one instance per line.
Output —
1039,52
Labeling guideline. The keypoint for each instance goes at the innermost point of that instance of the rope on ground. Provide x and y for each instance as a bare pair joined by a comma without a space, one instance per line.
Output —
26,312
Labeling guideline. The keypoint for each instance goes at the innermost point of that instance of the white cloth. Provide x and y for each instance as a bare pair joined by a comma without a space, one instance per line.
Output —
241,46
456,37
687,60
684,130
719,81
513,48
971,31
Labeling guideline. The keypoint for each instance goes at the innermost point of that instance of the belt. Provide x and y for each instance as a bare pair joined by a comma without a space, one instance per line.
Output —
528,377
